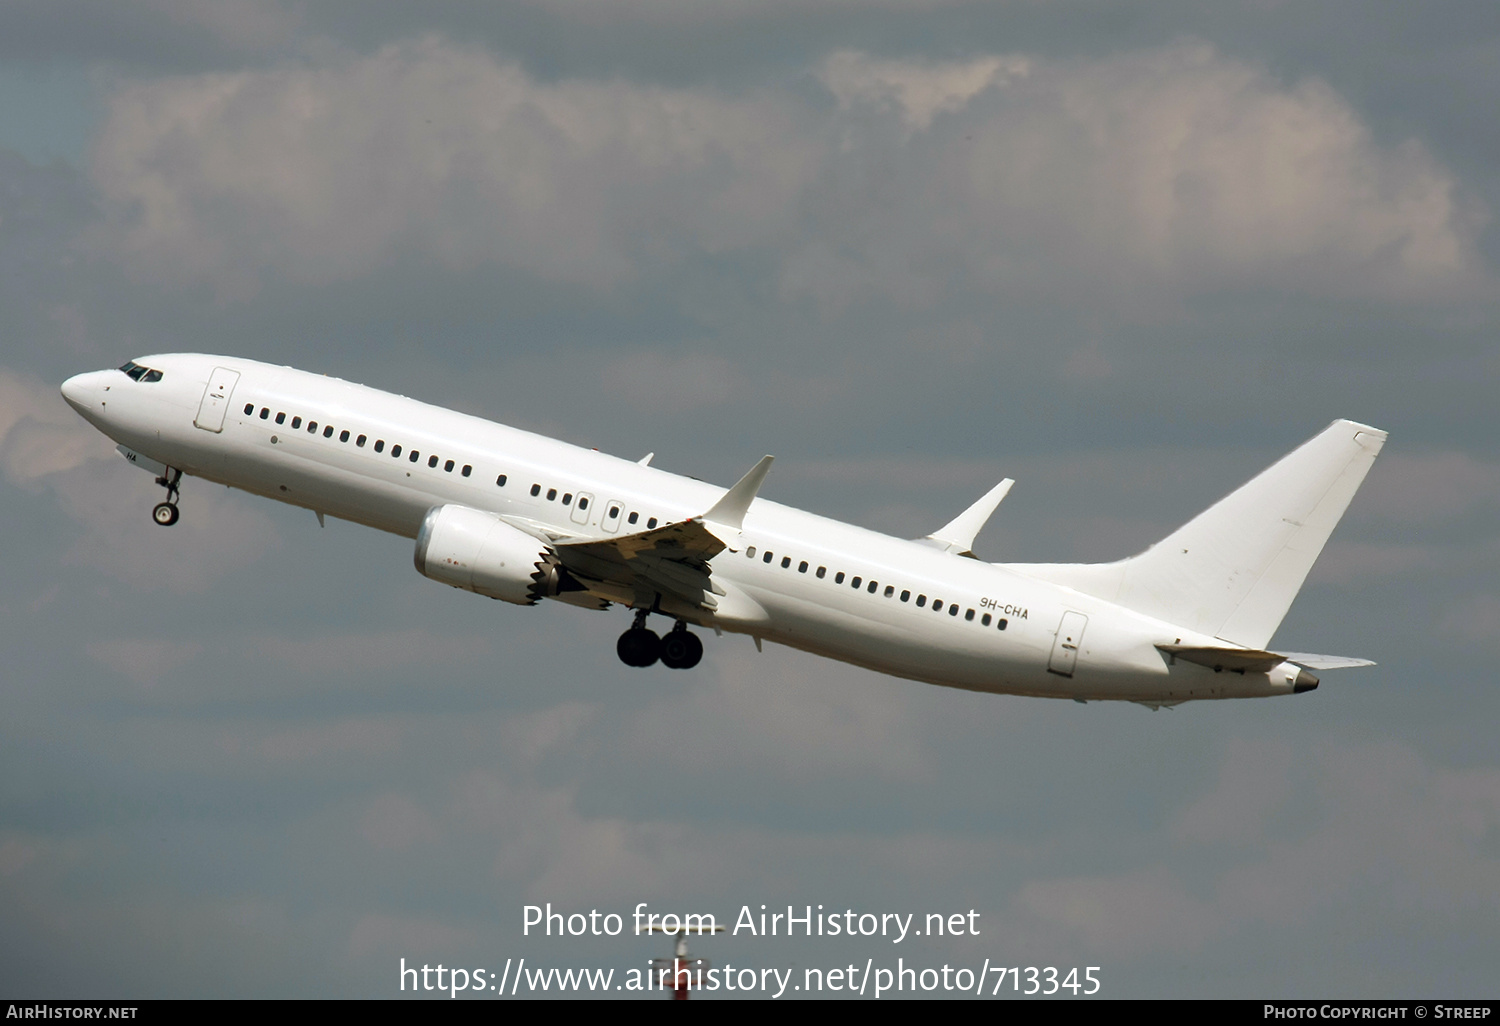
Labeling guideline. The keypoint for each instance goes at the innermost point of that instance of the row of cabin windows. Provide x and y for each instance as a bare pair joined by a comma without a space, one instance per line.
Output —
873,587
312,428
432,461
583,503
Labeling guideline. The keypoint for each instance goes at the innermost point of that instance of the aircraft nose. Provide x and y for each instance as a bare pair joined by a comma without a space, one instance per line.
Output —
82,390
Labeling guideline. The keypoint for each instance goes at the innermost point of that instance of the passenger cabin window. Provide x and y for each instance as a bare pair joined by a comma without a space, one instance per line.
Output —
500,481
296,423
361,440
968,614
822,572
768,557
786,561
651,524
432,461
985,619
838,578
1002,623
634,516
890,590
328,431
551,494
468,469
380,445
855,583
343,436
413,456
249,409
937,605
802,567
395,451
264,413
953,609
906,596
281,418
872,587
750,552
448,467
921,601
567,498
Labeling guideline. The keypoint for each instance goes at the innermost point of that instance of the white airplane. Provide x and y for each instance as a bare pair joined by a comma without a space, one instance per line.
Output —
521,517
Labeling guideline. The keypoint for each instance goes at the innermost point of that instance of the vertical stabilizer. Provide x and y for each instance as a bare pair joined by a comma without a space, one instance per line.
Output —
1233,571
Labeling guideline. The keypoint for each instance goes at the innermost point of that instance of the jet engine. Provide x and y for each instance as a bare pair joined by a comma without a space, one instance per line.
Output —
477,551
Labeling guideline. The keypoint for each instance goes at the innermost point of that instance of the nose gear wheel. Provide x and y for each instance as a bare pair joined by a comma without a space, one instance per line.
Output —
165,513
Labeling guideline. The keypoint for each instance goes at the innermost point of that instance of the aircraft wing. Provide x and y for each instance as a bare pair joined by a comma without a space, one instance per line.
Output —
671,559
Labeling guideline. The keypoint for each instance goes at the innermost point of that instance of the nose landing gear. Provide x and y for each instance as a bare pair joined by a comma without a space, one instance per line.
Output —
165,513
640,646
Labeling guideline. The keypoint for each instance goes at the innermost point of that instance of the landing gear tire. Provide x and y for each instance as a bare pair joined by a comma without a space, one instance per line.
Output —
165,513
681,649
639,646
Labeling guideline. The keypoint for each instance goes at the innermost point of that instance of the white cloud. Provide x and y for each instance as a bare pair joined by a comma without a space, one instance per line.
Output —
916,92
39,434
1171,168
325,172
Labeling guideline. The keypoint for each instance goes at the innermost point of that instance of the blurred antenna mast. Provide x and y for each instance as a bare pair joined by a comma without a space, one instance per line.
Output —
682,972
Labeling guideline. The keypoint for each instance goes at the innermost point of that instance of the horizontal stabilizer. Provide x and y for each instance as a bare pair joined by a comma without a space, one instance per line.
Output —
1255,660
1326,662
959,534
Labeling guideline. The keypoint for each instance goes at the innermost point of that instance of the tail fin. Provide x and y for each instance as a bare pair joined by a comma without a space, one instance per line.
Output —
1233,571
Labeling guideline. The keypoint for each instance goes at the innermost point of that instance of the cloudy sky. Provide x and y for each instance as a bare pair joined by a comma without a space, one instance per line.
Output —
1127,253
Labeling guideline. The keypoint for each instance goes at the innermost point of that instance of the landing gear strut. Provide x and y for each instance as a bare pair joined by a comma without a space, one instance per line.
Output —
165,513
640,646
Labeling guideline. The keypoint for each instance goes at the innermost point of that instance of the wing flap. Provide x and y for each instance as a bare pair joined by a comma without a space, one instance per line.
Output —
672,558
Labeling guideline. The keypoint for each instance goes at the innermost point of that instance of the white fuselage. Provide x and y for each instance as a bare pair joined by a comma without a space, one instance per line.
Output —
891,621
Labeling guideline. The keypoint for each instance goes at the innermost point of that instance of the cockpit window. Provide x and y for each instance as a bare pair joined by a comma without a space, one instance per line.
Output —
140,373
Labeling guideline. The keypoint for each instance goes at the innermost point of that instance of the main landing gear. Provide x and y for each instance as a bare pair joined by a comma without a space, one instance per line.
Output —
165,513
640,646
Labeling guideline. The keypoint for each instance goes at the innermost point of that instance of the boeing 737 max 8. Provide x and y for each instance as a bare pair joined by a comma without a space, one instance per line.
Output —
521,517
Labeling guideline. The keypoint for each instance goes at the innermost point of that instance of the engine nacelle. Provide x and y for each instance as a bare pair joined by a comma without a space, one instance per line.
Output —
477,551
